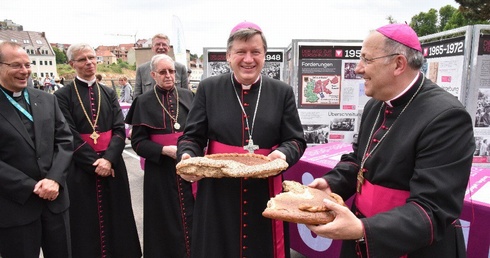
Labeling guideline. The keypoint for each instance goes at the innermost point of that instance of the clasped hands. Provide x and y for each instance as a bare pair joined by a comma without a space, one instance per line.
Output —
47,189
103,168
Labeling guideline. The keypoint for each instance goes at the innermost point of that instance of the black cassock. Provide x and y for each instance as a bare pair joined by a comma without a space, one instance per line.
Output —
424,156
168,199
102,220
228,219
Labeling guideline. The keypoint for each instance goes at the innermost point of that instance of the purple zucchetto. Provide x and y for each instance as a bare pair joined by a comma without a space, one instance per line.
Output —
245,25
401,33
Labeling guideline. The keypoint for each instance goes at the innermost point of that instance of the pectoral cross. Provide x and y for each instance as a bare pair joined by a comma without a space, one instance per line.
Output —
360,180
94,136
250,147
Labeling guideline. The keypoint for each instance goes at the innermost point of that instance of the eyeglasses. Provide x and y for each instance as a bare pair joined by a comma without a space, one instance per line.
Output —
166,71
86,59
17,66
161,45
370,60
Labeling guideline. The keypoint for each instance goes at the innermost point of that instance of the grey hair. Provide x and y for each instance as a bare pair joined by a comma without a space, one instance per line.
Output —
245,34
160,36
415,58
70,53
157,58
13,45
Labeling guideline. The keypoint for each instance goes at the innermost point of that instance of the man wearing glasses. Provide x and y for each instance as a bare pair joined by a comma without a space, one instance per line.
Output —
409,169
101,216
35,153
158,118
145,82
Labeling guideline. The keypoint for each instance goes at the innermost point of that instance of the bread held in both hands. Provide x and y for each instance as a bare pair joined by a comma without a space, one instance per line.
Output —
231,165
301,204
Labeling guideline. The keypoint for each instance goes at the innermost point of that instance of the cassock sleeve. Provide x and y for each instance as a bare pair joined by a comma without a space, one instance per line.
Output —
194,139
118,140
292,144
140,137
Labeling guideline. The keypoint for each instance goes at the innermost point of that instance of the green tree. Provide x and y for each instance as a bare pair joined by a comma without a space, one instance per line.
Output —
60,56
457,21
445,14
475,10
425,23
447,18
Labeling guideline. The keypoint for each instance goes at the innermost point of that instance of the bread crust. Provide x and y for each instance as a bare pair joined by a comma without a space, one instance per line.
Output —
301,204
231,165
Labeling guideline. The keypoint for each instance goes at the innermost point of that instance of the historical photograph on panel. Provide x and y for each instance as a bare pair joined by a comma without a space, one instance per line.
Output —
316,134
482,116
350,71
342,124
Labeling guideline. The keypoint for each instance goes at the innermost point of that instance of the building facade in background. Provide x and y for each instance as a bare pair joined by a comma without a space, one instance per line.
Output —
35,44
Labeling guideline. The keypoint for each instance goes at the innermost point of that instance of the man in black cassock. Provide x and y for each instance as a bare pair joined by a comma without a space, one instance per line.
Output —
158,117
102,221
410,167
231,111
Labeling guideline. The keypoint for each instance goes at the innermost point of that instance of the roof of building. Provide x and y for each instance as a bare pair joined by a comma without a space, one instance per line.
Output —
28,40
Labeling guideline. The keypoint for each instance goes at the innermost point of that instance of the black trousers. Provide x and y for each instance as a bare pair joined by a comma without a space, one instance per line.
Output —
51,232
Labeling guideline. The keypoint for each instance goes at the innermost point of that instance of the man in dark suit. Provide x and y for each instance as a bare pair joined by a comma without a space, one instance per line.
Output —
35,154
160,44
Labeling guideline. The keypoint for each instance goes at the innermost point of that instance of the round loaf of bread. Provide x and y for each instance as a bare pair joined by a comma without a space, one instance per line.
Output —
301,204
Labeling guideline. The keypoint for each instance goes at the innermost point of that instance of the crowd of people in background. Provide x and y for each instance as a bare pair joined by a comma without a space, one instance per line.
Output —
48,84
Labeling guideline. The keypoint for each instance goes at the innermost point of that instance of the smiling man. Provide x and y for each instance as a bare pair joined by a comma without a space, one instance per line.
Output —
160,44
102,221
241,112
409,169
35,155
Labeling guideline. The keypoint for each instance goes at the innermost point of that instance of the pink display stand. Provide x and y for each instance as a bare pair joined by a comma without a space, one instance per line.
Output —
320,159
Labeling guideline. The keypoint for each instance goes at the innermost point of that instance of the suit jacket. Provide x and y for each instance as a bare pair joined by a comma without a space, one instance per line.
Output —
144,81
23,162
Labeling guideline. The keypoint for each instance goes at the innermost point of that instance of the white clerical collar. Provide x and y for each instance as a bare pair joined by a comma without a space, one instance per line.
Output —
17,94
90,83
247,87
404,91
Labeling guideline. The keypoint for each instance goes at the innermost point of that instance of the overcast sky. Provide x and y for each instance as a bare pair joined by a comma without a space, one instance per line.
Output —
207,23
